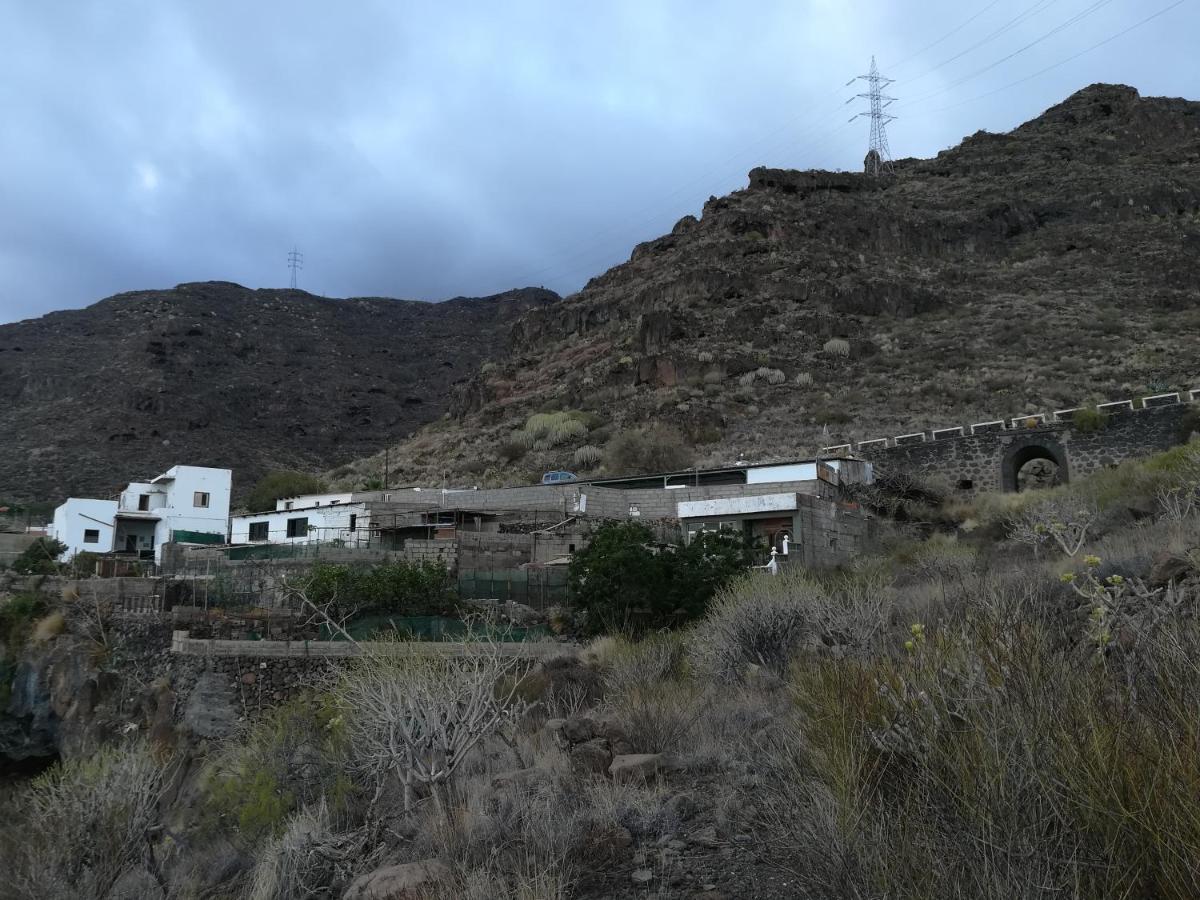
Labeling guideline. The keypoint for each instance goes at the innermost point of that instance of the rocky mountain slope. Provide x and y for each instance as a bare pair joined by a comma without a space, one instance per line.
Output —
217,374
1046,267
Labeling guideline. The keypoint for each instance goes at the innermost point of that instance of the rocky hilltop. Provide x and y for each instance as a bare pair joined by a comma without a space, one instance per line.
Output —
1046,267
217,374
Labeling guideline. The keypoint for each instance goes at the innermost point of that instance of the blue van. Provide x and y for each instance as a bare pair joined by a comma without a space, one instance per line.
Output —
557,477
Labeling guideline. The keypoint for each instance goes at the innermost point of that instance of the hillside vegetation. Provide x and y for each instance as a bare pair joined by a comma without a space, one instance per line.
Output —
1045,268
1003,707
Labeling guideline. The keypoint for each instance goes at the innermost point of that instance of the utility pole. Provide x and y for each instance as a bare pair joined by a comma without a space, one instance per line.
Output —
879,156
295,263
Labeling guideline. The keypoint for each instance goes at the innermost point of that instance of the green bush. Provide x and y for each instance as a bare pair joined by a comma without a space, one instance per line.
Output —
625,583
408,588
40,557
279,484
1088,419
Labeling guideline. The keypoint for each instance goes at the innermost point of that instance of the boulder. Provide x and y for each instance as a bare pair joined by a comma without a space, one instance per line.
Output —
406,881
578,729
635,766
591,757
1167,568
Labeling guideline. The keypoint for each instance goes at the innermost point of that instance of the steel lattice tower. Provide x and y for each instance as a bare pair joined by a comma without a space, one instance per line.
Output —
879,156
295,263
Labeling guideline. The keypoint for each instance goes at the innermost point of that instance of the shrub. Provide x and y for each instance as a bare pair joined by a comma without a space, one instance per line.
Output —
85,825
705,356
803,379
624,583
274,486
837,347
588,457
714,376
1088,419
552,429
656,448
764,620
410,588
647,691
513,449
40,557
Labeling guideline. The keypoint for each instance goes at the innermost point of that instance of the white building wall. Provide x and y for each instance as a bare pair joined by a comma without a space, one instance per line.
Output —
306,500
325,523
796,472
77,516
180,512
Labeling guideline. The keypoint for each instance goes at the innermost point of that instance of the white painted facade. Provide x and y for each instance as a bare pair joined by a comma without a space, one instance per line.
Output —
332,520
804,471
735,506
84,524
305,501
148,514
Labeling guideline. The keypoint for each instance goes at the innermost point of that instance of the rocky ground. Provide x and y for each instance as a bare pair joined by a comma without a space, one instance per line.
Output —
217,374
1040,269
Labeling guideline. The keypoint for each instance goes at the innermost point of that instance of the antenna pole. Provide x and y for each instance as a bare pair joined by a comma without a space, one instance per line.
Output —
879,156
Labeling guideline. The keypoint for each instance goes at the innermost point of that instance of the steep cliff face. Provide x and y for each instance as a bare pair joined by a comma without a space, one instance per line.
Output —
216,374
1049,266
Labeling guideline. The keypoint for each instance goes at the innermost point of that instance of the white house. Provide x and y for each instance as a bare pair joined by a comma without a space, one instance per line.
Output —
309,519
186,504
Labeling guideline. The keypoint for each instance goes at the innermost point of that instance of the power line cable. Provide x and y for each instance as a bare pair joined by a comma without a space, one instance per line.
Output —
1020,18
1063,62
948,34
1078,17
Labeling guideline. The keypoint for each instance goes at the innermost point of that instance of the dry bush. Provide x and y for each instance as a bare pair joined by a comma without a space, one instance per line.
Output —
86,824
648,693
308,857
765,620
991,762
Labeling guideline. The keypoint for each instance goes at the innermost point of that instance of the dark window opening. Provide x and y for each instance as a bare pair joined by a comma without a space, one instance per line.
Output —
570,548
297,527
144,502
353,521
966,484
260,531
91,536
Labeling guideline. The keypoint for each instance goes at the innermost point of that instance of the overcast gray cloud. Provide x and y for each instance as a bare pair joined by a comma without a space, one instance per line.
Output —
426,150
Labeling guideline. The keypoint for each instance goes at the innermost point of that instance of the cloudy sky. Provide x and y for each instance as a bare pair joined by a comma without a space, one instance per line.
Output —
432,149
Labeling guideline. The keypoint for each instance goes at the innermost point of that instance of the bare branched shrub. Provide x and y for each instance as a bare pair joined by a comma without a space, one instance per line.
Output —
1061,518
87,824
413,720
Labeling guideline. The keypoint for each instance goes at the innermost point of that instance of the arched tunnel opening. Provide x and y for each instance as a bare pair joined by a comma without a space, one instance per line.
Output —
1033,467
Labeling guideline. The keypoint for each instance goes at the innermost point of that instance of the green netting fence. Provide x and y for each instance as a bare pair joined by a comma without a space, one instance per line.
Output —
539,588
426,628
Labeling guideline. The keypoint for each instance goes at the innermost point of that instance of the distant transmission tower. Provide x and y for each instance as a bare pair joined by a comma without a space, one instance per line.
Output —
879,156
295,263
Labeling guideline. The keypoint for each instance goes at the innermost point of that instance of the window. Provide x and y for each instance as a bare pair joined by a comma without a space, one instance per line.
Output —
144,502
353,521
259,531
965,484
200,500
297,527
91,536
287,505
